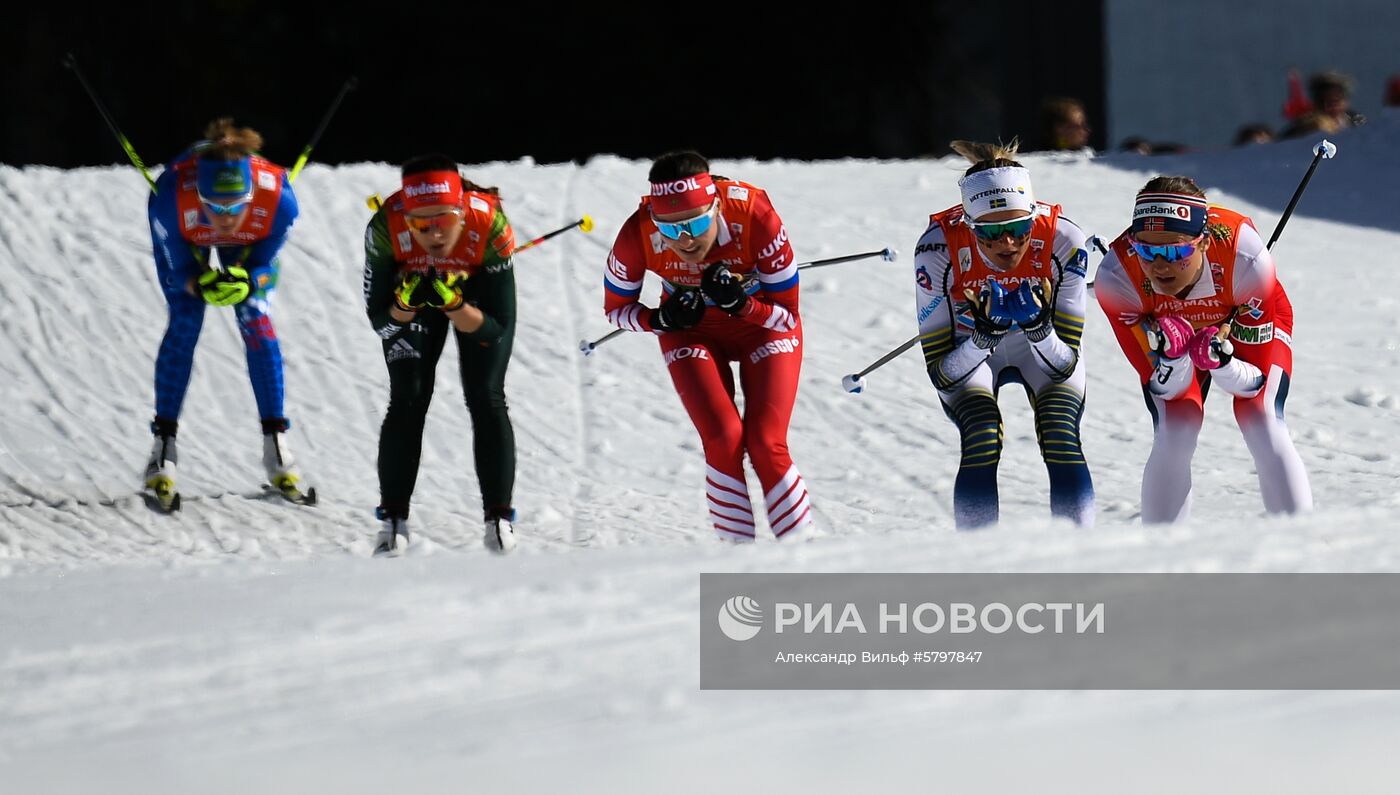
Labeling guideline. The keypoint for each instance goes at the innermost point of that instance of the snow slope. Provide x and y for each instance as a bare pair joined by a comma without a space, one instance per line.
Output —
245,641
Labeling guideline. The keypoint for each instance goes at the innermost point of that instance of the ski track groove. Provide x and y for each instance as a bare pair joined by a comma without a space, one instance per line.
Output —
580,489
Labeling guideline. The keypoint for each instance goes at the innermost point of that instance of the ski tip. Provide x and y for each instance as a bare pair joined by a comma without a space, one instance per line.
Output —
159,505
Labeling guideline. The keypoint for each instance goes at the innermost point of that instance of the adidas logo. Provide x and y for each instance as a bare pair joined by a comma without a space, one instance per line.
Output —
402,350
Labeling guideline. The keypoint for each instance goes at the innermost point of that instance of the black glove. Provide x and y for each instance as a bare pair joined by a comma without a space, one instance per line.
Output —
990,319
724,288
681,310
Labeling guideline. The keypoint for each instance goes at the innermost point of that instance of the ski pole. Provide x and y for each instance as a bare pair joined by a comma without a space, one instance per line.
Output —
1326,150
887,254
72,64
350,84
855,382
588,347
585,224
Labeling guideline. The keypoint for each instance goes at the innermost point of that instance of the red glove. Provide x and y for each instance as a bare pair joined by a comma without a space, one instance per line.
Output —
1173,336
1208,351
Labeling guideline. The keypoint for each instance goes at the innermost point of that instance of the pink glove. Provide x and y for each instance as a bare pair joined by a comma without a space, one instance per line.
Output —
1173,336
1209,351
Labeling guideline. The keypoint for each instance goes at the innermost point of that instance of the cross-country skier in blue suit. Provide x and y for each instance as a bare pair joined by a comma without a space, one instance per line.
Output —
220,196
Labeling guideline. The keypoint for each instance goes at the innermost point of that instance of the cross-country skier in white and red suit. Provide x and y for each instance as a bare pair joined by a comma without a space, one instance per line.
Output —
1190,291
730,292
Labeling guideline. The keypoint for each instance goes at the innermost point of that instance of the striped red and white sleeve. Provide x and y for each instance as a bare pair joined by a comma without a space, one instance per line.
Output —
622,281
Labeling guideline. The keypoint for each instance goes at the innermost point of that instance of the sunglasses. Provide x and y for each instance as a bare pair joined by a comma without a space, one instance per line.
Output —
1174,252
997,230
234,208
441,222
694,227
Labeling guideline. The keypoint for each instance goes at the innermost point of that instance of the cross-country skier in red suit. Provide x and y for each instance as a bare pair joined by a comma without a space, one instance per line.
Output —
730,291
1190,291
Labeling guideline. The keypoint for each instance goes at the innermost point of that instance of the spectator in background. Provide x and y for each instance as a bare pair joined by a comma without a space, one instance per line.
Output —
1254,134
1136,144
1392,92
1331,99
1139,145
1064,125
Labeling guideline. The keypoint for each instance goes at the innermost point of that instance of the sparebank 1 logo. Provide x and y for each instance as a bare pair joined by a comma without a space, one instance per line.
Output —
740,618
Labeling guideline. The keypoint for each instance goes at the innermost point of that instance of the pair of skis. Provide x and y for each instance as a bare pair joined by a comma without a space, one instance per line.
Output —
162,497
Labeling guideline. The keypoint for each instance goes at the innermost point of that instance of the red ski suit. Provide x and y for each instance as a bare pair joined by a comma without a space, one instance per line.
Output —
765,340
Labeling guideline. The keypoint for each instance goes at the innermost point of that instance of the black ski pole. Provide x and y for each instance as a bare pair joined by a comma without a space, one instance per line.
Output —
1323,151
72,64
887,254
855,382
585,223
350,85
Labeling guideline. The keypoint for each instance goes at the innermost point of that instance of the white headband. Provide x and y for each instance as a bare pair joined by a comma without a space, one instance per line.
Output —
1005,188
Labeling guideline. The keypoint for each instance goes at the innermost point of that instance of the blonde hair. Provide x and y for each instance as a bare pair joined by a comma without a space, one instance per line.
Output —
984,155
227,142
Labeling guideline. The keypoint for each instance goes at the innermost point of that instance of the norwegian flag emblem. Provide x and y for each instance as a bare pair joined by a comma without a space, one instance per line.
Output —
1154,225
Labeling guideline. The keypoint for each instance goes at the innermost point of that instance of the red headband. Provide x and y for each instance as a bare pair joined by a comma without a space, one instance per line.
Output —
431,188
686,193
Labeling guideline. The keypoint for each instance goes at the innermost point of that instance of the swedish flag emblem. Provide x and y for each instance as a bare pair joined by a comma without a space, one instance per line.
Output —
996,204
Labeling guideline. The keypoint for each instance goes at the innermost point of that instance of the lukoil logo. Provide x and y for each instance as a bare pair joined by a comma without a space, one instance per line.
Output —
740,618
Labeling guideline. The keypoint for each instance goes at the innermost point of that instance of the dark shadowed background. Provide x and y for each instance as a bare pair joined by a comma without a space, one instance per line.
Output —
530,79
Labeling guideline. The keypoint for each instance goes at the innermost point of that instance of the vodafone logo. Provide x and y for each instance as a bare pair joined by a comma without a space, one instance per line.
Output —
413,191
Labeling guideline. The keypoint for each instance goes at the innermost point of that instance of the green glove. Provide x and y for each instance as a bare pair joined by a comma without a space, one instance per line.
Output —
225,287
447,291
417,290
407,296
